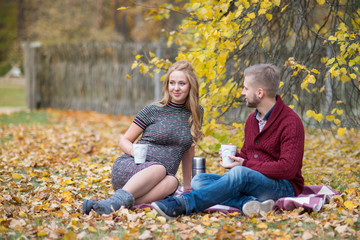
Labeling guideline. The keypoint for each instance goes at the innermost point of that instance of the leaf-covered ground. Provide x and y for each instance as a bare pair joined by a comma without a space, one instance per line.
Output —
47,170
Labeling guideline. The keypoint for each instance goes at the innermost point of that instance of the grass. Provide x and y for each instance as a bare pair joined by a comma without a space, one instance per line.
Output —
12,94
24,117
14,119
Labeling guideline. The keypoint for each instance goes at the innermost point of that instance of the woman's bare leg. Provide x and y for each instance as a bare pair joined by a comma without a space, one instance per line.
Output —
166,187
145,180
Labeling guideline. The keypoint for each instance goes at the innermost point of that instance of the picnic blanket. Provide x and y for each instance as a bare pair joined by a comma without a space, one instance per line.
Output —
312,198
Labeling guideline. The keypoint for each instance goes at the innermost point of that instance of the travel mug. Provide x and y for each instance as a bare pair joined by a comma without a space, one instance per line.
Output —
198,165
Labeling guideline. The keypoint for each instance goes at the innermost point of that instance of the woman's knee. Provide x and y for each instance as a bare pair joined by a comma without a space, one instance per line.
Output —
171,182
158,169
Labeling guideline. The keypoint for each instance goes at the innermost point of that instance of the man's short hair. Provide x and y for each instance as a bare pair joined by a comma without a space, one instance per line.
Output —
266,76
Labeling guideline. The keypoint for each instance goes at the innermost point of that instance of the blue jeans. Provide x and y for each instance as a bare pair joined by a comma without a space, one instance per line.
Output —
235,188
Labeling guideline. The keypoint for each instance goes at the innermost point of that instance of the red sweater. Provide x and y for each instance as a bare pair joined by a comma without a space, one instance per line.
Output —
277,151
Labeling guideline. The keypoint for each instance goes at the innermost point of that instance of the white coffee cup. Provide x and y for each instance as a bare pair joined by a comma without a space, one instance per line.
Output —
226,150
140,151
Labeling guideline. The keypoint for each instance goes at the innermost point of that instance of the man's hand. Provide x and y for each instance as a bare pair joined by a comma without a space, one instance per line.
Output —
187,189
238,161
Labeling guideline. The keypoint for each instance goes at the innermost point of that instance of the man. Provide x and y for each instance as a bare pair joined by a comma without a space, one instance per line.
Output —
269,164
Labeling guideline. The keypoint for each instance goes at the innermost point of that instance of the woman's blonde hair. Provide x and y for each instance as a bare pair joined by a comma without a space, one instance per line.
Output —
192,101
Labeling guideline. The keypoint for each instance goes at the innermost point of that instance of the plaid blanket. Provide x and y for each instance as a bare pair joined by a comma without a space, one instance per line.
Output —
312,198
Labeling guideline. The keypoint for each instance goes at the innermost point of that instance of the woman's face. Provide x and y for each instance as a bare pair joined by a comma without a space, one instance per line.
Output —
178,87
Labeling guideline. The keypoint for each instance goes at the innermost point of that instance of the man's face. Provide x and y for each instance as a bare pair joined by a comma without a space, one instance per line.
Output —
250,92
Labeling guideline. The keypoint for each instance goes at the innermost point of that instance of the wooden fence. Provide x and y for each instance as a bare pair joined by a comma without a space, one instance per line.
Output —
90,76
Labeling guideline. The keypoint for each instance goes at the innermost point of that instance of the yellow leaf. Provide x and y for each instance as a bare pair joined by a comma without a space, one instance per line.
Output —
195,6
353,76
343,70
121,8
251,15
349,221
311,79
147,209
161,219
41,233
215,114
345,78
315,71
16,176
68,182
150,215
283,9
134,65
310,113
330,118
339,111
321,2
262,226
128,76
269,16
262,11
22,214
332,38
138,56
318,117
330,61
349,204
66,195
277,2
337,122
296,97
92,229
144,68
70,235
237,125
341,131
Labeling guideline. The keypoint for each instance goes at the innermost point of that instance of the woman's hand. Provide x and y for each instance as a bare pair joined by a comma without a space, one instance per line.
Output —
238,161
126,141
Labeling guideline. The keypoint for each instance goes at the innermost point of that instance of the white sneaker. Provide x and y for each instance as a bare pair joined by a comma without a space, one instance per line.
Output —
254,207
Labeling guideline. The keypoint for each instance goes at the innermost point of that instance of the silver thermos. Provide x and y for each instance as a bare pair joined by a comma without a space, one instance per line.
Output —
198,165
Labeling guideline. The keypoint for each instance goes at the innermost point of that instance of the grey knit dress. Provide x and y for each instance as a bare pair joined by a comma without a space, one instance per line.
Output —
167,131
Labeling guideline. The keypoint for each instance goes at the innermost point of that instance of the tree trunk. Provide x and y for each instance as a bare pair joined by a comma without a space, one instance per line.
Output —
21,22
100,14
115,5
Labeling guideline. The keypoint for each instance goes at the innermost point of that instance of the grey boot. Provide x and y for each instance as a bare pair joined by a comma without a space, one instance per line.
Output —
87,206
113,203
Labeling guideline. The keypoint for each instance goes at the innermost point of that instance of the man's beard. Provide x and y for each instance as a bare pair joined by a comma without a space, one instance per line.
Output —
254,101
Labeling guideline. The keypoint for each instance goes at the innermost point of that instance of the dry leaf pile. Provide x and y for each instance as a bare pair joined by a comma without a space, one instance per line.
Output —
47,171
